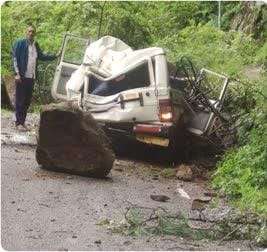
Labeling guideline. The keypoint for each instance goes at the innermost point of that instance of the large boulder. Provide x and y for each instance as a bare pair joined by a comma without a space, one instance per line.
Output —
8,90
71,141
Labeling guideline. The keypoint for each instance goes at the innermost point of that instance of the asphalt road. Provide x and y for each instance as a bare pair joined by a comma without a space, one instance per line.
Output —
44,210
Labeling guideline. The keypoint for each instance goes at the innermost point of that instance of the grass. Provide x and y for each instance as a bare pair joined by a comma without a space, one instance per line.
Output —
35,108
6,112
168,173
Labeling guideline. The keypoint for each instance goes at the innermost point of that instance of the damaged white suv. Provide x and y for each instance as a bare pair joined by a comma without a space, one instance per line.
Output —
134,92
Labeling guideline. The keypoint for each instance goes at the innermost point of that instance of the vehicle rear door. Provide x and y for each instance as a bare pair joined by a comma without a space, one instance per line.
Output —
136,102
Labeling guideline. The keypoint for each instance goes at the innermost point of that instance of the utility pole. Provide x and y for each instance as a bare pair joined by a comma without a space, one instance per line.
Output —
219,14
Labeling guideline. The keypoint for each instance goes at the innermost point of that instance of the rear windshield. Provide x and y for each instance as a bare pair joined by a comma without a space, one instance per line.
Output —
135,78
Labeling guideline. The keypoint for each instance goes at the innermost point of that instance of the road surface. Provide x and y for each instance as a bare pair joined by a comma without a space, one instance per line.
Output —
45,210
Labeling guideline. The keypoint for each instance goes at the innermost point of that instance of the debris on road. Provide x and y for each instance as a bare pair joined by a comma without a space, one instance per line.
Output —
168,173
43,204
21,138
161,198
183,193
70,141
200,203
118,169
184,172
20,210
211,194
155,177
214,194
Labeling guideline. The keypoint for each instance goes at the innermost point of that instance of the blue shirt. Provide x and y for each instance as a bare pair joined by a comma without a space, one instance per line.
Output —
20,56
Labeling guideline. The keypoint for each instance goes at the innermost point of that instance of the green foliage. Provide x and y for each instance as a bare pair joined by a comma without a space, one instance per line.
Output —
172,24
5,112
225,52
261,55
242,174
74,51
123,20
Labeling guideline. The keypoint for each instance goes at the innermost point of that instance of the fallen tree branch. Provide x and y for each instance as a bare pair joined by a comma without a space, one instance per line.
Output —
224,220
230,233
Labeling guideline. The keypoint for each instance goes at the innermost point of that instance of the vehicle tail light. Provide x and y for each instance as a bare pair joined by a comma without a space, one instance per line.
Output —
165,110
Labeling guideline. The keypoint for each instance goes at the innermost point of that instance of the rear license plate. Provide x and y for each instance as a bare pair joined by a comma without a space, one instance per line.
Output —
153,140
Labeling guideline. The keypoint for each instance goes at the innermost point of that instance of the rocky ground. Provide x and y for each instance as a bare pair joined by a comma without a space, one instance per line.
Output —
45,210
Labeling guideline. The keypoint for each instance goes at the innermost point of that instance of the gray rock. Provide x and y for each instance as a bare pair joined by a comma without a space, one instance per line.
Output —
200,203
70,141
161,198
184,172
8,88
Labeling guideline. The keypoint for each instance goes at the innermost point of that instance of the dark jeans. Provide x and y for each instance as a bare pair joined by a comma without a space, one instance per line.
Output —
24,92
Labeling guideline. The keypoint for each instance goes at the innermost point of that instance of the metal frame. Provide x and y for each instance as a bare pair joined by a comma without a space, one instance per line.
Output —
220,100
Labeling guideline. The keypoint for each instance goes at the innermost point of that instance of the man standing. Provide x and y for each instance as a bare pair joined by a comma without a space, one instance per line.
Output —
25,54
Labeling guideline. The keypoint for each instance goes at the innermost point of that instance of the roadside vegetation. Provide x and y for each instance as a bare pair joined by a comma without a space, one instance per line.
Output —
181,28
146,221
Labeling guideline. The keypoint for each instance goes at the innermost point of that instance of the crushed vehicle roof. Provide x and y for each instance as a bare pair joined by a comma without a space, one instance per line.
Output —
111,55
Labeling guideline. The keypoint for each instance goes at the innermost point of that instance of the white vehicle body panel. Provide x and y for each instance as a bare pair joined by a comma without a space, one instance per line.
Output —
109,108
